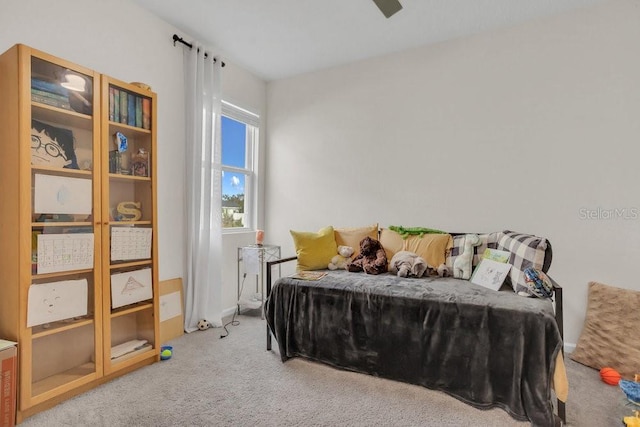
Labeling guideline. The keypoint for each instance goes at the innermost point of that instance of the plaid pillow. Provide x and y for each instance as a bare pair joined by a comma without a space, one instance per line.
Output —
488,240
526,251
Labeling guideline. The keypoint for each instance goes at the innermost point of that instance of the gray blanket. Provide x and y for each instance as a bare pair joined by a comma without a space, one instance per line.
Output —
483,347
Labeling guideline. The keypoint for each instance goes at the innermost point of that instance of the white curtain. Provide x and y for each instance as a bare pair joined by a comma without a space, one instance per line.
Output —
203,288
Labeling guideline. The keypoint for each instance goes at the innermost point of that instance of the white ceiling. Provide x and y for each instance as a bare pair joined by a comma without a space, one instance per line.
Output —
275,39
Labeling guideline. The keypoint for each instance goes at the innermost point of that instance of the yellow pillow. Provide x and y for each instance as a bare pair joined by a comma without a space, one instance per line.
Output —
314,250
391,242
431,247
353,236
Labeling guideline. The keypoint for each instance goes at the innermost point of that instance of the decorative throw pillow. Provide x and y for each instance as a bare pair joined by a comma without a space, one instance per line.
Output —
488,240
353,236
609,336
431,247
314,250
526,251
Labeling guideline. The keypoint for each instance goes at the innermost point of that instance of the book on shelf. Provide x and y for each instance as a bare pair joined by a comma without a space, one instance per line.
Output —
309,275
131,109
124,105
128,347
51,101
111,105
50,87
4,344
48,141
146,113
138,111
116,105
51,95
490,274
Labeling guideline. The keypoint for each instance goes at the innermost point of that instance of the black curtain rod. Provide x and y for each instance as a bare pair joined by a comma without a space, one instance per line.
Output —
177,38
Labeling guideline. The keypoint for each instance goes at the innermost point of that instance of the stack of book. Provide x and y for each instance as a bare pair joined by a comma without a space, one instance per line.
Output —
49,93
129,108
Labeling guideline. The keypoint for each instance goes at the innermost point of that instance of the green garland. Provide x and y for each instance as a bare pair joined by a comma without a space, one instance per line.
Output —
414,231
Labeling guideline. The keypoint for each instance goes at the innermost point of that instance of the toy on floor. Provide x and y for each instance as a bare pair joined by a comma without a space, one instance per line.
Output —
166,351
463,264
610,376
631,389
632,421
341,260
203,325
413,231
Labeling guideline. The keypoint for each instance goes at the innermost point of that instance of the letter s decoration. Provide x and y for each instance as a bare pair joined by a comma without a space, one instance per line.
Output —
129,211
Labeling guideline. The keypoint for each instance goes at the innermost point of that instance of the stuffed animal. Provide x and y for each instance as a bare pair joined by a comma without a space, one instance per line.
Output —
405,264
372,259
410,264
341,260
413,231
443,271
464,262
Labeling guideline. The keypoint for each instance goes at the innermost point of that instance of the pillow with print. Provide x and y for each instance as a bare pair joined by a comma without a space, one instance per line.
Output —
526,251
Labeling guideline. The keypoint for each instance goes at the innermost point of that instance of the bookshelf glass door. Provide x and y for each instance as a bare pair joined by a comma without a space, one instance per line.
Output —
129,202
62,315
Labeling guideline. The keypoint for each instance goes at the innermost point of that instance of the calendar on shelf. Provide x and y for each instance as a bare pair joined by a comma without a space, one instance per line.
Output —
128,243
64,252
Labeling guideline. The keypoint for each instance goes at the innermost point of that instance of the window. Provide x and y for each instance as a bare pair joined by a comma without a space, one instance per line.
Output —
239,134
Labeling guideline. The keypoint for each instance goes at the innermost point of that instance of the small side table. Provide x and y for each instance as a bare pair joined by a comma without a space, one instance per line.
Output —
263,254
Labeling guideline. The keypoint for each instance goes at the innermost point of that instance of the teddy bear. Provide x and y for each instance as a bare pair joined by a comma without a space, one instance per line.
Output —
372,259
340,261
405,264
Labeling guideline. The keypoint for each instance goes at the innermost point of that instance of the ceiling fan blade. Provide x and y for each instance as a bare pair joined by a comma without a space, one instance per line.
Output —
388,7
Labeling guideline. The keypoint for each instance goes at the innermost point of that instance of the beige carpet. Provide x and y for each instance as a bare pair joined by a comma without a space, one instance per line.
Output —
235,382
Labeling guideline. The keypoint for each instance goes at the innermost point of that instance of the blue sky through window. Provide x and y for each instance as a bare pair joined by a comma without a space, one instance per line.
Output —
233,154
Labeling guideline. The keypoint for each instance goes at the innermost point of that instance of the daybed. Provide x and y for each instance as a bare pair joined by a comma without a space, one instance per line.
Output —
483,347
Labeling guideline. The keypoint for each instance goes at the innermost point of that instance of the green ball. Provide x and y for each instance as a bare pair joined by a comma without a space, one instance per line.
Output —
166,353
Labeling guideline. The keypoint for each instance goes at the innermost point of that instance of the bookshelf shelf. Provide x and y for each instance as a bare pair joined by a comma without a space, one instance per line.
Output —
114,127
86,370
57,327
129,223
125,265
61,116
62,172
61,274
127,178
131,309
61,224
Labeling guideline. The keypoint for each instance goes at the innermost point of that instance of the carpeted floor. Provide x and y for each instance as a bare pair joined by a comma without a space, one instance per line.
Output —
235,382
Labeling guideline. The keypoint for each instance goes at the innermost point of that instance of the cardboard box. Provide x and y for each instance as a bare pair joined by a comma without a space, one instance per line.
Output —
8,382
171,313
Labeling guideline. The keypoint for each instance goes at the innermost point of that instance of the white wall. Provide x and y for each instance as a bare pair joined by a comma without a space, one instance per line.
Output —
514,129
122,40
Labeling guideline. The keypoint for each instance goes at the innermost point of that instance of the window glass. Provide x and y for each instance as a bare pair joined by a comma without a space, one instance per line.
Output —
239,135
233,208
234,142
